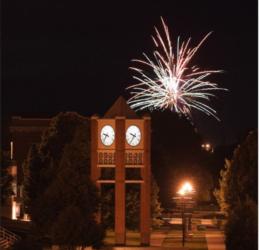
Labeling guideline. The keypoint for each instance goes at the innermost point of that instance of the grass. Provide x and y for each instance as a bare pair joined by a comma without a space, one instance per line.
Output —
132,238
172,239
196,242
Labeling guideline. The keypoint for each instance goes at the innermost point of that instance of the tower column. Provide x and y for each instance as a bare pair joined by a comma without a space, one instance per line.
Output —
120,232
145,205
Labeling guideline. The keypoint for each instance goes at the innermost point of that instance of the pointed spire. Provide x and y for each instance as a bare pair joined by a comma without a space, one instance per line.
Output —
120,108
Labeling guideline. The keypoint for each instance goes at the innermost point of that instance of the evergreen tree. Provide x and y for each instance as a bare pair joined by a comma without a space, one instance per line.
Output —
238,196
242,229
132,200
156,209
243,181
74,199
221,193
107,205
31,170
5,179
58,187
132,206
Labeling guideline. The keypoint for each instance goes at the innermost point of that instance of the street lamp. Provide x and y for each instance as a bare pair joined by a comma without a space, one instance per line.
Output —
185,191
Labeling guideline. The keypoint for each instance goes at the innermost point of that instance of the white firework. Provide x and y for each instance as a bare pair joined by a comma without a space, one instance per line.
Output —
172,82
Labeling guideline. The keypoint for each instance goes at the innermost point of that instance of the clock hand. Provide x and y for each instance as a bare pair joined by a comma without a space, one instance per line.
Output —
106,135
134,135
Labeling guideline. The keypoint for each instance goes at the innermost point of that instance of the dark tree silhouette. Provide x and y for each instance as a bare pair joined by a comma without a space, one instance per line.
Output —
238,189
5,179
60,197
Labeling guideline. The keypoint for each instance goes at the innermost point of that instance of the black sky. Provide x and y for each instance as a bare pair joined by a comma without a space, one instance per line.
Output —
74,55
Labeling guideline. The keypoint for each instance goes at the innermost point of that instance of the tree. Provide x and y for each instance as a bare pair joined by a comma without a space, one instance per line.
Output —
238,196
31,170
107,205
132,206
156,209
5,179
241,228
243,180
221,193
132,200
61,199
75,199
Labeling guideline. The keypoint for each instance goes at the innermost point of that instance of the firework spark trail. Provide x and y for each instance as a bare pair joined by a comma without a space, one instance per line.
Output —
175,85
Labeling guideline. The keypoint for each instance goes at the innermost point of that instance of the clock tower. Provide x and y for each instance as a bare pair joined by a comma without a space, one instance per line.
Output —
120,141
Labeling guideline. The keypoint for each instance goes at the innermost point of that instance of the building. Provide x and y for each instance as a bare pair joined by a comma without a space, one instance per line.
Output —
120,141
23,133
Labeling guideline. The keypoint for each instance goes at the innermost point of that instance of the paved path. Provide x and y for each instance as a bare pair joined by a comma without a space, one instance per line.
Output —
165,240
215,240
157,238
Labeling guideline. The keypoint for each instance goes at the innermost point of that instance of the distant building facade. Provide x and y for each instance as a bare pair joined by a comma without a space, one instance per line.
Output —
120,141
23,133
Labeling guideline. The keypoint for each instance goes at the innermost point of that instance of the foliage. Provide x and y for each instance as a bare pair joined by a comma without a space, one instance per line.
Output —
31,169
132,206
5,179
107,205
241,228
221,193
244,181
156,209
238,196
61,199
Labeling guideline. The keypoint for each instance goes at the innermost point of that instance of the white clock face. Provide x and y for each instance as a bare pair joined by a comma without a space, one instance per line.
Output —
107,135
133,135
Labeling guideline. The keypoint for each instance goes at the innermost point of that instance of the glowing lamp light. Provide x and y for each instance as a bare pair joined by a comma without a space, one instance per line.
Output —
181,192
14,217
186,188
15,210
207,146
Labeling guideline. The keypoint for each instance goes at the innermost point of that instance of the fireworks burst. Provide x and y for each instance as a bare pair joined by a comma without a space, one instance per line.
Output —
173,83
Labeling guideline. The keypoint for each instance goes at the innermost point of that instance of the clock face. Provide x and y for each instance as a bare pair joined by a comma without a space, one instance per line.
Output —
107,135
133,135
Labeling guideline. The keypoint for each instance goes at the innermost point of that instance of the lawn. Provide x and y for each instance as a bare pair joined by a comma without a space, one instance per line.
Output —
132,238
196,242
169,238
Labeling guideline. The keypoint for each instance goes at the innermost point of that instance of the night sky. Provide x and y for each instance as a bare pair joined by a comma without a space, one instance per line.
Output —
75,56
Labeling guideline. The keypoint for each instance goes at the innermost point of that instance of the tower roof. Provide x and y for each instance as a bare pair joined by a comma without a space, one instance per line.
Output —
120,108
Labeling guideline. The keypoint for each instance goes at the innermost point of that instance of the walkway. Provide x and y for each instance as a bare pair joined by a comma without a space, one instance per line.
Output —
157,238
215,240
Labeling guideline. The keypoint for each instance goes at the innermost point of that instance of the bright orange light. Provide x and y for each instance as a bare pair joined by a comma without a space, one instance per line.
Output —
185,189
181,192
14,211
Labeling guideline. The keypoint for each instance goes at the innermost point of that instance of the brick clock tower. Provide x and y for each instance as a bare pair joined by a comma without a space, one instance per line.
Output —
120,142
